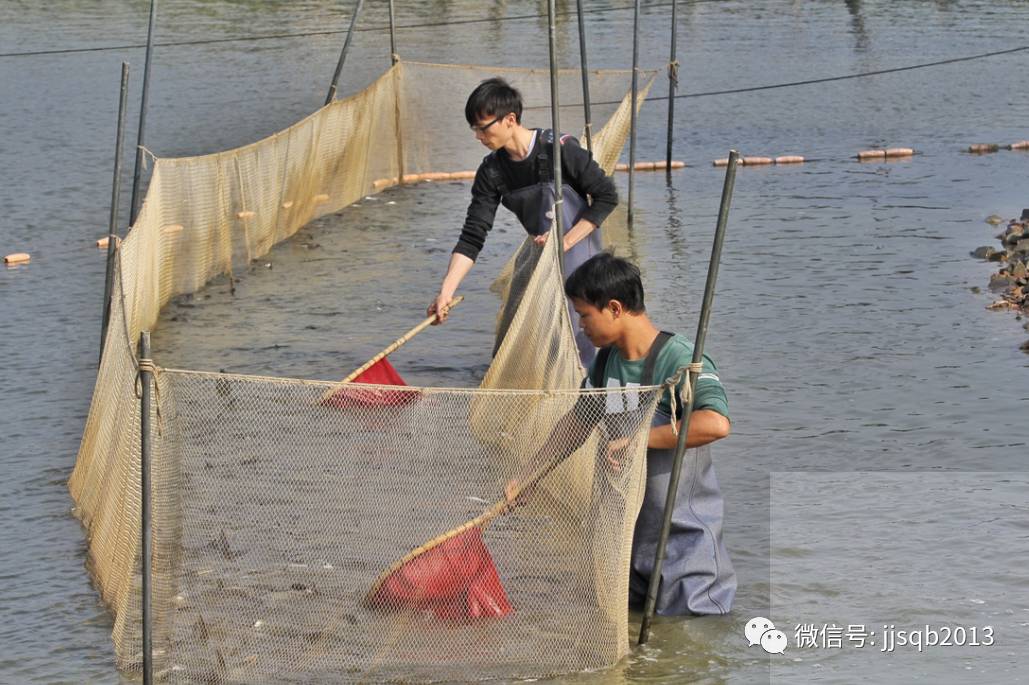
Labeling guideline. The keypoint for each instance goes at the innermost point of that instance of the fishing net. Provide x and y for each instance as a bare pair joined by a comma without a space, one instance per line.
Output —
274,511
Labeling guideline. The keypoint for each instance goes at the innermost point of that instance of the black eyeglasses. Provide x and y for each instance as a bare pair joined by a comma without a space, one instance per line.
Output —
482,129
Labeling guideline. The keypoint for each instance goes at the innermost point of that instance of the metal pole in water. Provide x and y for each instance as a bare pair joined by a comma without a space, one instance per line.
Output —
584,64
673,82
134,205
632,111
145,376
556,119
392,35
698,357
343,53
112,227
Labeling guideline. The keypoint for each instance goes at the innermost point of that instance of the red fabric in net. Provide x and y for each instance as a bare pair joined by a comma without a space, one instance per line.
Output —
380,373
456,580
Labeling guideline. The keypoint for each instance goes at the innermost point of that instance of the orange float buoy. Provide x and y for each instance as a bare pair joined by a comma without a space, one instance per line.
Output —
320,199
1020,145
287,204
645,166
721,162
436,176
17,258
381,183
789,159
411,178
462,176
871,154
980,148
678,165
106,240
621,167
899,152
246,214
756,161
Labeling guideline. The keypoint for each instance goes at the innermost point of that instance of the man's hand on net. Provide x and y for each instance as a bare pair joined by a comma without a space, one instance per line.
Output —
615,454
541,239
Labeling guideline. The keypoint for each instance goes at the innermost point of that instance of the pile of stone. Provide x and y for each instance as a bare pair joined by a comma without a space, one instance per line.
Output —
1012,279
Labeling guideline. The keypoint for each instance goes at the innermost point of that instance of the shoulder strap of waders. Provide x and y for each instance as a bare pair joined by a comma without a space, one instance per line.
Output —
544,165
600,367
495,171
647,377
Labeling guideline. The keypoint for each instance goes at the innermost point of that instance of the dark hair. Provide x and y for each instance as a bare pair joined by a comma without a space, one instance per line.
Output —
604,277
492,98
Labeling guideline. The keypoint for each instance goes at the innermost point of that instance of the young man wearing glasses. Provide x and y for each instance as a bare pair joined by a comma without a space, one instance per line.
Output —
518,173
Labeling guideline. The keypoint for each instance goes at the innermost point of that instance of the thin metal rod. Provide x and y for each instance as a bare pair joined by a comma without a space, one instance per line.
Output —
112,226
145,377
392,35
632,110
134,205
555,117
698,356
584,65
673,82
343,53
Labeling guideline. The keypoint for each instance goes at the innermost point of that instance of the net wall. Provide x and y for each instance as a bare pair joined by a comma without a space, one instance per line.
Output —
203,216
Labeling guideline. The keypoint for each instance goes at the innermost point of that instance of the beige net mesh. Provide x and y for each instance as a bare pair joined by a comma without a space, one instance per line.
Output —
274,513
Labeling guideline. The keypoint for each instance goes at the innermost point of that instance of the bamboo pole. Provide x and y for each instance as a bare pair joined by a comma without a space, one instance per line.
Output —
394,58
632,110
555,117
343,53
584,64
145,376
390,349
698,358
112,226
134,205
673,82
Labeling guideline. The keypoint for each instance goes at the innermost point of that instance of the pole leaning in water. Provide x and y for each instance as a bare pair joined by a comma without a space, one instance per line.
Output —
393,57
343,53
146,366
698,357
555,117
112,227
632,109
134,205
673,82
584,67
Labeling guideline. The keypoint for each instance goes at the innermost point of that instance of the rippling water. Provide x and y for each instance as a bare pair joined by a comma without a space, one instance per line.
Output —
846,325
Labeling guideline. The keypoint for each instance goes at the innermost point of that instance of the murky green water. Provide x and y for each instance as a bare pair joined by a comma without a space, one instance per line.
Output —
846,328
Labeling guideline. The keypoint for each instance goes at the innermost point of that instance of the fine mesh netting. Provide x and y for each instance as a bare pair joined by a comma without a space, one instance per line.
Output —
274,513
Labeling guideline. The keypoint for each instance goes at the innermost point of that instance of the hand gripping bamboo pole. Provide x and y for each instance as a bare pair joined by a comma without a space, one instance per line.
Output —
393,347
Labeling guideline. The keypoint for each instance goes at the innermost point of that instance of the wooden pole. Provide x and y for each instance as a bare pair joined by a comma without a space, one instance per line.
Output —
145,376
632,111
112,226
556,125
584,65
136,200
698,357
673,82
394,58
343,53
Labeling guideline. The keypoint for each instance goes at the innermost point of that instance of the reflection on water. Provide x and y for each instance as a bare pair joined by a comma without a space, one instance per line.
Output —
845,325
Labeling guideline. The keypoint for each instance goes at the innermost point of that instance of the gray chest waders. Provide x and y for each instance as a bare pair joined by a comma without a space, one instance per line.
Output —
531,205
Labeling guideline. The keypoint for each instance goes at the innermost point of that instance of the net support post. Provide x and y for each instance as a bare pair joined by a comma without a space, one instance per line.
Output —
698,357
558,220
112,226
584,65
145,454
134,205
343,53
632,110
393,57
673,83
